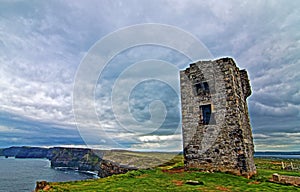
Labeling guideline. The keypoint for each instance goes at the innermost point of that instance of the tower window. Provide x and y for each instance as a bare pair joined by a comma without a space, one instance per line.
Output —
201,87
207,116
205,86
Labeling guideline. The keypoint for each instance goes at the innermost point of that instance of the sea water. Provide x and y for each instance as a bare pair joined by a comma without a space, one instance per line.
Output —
22,174
278,156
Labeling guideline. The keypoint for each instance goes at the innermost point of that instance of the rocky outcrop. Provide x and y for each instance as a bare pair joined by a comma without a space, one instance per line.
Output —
42,185
108,168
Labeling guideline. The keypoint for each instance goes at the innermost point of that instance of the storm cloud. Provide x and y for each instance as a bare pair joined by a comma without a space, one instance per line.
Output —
42,44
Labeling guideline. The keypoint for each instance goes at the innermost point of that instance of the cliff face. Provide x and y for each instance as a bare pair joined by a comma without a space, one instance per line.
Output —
86,160
81,159
75,158
25,152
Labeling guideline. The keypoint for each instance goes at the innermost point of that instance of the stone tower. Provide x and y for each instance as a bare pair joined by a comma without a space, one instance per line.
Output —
216,130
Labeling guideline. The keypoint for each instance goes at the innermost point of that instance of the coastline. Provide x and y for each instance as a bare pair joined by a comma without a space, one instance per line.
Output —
110,166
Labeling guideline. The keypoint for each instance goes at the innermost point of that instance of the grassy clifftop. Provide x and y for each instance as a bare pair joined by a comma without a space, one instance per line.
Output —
172,177
140,160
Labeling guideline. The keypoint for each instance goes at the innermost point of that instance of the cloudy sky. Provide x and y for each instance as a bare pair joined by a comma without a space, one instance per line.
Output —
42,44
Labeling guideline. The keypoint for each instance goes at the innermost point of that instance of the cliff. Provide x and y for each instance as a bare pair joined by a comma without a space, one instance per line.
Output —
74,158
25,152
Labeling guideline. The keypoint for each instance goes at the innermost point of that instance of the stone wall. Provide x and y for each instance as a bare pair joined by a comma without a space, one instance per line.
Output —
284,179
216,130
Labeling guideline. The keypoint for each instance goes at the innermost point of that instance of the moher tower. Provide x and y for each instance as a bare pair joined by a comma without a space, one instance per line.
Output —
216,130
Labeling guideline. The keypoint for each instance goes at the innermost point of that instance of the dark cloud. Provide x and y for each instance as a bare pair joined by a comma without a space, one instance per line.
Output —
42,44
17,130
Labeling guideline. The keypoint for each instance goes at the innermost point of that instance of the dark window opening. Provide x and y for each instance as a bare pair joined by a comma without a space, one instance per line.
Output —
205,86
207,116
197,88
202,87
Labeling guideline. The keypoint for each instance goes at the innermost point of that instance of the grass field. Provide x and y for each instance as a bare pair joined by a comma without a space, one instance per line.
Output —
171,177
140,160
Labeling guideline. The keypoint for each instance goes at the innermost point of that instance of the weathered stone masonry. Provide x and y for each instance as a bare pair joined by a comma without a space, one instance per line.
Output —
216,130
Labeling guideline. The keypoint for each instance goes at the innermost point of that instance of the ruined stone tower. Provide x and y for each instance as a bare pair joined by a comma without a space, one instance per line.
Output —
216,130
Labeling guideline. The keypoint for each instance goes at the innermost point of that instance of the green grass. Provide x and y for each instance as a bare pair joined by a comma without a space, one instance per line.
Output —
171,177
137,159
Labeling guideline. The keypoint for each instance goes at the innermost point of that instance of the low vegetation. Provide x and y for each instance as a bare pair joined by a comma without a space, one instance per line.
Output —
171,177
140,160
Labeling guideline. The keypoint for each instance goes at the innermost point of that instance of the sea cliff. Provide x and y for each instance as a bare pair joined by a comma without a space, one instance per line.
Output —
81,159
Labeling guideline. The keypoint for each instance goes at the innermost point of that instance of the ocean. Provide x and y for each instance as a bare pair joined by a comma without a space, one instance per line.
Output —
278,156
22,174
